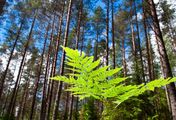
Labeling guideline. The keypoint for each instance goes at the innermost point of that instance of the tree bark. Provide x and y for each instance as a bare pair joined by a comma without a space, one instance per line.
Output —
23,99
76,47
134,52
96,47
58,95
41,63
20,68
37,82
18,86
71,107
10,58
77,99
65,117
6,100
79,23
163,54
113,38
139,44
107,33
124,59
151,77
54,65
44,97
24,105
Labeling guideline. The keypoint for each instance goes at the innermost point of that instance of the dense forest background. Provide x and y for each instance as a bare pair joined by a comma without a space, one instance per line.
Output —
137,35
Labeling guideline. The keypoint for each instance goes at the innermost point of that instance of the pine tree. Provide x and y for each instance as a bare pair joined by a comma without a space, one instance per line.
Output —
164,57
58,96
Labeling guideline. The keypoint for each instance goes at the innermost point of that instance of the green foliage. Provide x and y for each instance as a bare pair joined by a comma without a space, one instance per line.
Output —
99,20
142,107
89,111
168,13
90,81
6,117
129,110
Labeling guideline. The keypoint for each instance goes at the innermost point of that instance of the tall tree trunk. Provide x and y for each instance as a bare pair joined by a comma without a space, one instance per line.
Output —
23,109
40,67
59,91
134,53
82,38
107,32
124,59
9,60
162,71
52,88
45,95
151,77
77,99
96,47
79,23
76,47
71,107
151,57
6,100
18,86
46,89
44,98
134,48
139,43
113,38
65,117
163,54
23,99
43,106
150,66
54,65
20,68
37,82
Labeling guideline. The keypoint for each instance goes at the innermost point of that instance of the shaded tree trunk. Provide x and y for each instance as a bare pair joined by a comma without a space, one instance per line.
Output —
134,53
9,111
107,32
23,111
10,58
65,117
151,76
44,97
23,99
59,91
41,62
124,59
71,107
163,54
16,93
79,23
139,43
37,81
76,47
113,38
53,71
77,99
96,47
6,101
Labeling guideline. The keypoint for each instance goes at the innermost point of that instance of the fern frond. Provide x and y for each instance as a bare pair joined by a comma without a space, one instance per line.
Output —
88,80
